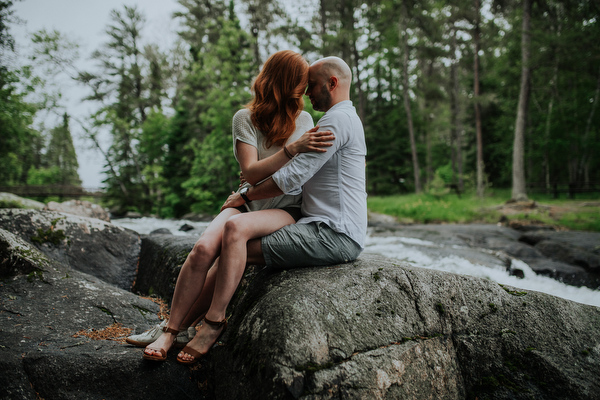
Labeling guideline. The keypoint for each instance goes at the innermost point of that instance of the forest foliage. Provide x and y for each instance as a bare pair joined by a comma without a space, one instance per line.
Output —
437,85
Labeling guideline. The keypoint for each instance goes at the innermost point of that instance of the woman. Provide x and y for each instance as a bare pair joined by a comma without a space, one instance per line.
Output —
265,136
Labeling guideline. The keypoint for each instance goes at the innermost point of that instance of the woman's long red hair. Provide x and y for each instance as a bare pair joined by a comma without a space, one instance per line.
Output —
278,91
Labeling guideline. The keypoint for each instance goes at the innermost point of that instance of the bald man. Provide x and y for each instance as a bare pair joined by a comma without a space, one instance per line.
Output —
334,198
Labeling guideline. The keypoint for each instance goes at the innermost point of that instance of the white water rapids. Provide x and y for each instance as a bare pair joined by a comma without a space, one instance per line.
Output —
414,251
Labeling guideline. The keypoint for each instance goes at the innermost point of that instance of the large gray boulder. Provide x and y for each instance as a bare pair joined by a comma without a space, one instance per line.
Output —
87,245
51,316
380,329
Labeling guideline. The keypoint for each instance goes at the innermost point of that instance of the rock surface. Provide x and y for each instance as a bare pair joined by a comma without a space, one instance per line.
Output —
79,207
377,328
45,355
372,329
21,201
161,259
87,245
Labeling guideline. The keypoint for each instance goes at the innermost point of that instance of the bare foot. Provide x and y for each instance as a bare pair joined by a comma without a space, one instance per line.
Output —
164,341
204,339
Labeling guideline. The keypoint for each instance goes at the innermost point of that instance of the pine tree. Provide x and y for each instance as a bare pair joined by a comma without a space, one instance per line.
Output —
225,69
61,154
129,84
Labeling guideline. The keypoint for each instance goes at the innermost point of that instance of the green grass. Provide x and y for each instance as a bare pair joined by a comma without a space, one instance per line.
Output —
427,208
585,220
10,204
449,208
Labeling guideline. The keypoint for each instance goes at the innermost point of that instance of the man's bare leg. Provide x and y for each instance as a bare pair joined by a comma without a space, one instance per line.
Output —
255,253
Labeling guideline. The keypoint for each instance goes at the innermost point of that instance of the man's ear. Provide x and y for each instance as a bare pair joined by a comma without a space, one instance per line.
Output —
333,83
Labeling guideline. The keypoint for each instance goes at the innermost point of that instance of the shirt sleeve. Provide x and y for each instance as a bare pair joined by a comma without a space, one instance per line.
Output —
243,130
304,166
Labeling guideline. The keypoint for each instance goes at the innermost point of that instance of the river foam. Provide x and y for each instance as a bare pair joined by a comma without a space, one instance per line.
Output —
417,252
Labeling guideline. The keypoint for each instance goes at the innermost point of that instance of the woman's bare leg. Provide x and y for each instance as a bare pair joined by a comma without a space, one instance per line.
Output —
238,230
192,278
202,304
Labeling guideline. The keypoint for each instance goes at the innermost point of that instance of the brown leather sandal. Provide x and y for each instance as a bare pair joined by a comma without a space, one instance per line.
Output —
197,354
163,352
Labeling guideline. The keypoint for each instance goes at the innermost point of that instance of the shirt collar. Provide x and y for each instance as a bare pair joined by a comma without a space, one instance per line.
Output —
344,103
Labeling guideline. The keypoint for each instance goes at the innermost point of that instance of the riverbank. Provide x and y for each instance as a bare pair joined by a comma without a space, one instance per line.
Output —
559,214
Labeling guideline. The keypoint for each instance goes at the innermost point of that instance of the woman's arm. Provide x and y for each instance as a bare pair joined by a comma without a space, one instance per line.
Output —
255,170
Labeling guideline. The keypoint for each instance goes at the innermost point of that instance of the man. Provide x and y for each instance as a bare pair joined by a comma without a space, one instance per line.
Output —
334,198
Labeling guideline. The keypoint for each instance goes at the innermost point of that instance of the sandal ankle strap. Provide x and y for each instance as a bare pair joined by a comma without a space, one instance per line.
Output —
172,331
217,324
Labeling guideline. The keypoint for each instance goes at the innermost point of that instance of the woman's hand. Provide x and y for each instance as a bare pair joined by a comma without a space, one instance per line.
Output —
234,200
312,141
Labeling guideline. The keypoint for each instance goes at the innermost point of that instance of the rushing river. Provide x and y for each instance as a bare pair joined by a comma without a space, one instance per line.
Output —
417,252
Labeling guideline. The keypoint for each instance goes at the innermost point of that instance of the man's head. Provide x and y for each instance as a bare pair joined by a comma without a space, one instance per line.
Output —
329,82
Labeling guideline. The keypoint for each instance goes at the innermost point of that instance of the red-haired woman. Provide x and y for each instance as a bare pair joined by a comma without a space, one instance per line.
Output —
267,133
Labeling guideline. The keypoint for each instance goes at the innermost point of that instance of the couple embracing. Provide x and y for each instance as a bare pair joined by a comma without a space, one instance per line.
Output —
304,202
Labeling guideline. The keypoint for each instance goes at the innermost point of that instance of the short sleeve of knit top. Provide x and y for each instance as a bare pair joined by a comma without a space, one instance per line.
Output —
246,132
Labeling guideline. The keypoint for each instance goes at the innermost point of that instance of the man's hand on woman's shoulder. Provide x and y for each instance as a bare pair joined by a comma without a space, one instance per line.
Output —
313,140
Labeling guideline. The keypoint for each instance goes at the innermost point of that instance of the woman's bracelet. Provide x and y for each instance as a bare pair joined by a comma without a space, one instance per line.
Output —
287,152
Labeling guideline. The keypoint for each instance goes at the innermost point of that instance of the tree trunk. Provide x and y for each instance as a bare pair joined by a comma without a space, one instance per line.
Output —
323,21
553,95
428,69
455,135
359,84
586,156
480,166
519,192
453,108
407,109
361,94
553,84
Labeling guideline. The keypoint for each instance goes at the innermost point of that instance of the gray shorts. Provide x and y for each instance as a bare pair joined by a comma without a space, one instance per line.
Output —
307,245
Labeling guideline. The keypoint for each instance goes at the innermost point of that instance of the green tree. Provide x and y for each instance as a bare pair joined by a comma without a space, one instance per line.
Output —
59,164
200,31
60,153
389,166
19,144
153,149
225,69
129,83
263,17
199,167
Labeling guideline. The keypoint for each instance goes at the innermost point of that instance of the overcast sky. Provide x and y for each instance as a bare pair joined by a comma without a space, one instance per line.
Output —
84,22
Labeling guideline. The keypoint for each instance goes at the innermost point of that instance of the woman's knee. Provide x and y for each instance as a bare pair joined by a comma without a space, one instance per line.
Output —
235,229
204,250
